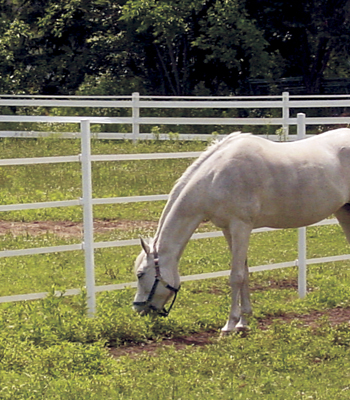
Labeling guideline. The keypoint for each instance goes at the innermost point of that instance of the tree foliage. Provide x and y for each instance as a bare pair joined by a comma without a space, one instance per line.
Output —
311,35
172,47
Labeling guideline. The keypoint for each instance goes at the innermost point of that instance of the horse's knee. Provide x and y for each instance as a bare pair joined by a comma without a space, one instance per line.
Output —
237,279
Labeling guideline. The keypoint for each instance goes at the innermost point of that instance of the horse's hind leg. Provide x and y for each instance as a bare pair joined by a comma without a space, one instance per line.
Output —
238,239
343,216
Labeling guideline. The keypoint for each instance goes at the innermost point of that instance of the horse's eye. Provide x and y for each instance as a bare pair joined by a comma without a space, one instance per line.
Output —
140,275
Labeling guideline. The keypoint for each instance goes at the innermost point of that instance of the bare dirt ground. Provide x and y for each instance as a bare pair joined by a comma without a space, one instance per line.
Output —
335,316
69,229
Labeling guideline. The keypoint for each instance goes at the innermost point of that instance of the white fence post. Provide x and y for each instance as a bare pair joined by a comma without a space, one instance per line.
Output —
135,116
88,221
301,126
302,285
285,115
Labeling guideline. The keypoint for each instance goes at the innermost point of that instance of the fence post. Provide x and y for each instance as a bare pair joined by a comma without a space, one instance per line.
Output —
301,126
88,244
135,116
302,285
285,115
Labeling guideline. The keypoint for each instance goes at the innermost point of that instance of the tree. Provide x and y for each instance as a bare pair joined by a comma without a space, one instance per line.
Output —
166,30
308,34
191,42
235,45
169,47
14,34
44,44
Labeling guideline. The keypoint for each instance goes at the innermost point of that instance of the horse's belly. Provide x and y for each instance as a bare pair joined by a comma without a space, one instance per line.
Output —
293,218
286,222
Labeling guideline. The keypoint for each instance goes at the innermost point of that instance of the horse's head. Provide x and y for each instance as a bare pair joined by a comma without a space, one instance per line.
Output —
153,291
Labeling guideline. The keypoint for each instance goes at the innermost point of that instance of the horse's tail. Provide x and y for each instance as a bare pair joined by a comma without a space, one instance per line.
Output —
183,180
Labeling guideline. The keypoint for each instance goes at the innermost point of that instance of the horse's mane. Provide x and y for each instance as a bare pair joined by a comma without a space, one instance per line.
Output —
184,179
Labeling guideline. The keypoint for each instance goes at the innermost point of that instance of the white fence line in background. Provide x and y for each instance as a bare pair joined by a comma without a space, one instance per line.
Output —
135,104
87,202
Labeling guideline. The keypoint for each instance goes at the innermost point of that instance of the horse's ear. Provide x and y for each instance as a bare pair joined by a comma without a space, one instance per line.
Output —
145,246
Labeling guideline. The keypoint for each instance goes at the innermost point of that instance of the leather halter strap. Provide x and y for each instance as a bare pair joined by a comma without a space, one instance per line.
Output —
158,278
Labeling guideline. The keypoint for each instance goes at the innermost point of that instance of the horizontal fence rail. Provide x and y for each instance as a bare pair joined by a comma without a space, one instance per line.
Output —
87,202
135,105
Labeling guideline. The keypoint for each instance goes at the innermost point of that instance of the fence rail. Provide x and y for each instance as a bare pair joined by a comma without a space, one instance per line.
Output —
87,202
136,106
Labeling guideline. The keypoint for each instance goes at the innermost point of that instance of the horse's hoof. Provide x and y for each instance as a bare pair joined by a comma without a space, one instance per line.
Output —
242,330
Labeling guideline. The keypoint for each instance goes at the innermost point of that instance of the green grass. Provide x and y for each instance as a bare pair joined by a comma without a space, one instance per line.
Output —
52,182
50,349
37,273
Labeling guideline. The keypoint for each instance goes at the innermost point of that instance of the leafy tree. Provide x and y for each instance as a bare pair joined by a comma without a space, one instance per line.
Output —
310,35
235,46
191,44
44,44
14,34
166,31
176,47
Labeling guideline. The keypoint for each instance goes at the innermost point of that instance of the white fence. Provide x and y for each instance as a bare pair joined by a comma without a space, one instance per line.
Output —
136,105
87,202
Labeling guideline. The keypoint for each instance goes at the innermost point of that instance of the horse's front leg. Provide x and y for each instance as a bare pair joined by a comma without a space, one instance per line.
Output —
240,306
246,308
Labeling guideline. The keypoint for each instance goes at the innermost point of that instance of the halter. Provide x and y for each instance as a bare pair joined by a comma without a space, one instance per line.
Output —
158,278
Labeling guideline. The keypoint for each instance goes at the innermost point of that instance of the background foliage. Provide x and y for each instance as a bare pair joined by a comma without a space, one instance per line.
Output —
178,47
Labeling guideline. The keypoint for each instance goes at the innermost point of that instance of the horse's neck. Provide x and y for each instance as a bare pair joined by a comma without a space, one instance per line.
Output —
180,217
175,232
182,182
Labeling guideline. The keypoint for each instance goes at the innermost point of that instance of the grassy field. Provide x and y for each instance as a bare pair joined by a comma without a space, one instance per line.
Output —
49,349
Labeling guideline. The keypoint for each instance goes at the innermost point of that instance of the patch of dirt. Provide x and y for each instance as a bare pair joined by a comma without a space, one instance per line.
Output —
67,229
195,340
291,283
335,317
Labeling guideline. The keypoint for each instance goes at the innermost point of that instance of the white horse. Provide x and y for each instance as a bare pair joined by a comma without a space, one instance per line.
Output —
241,183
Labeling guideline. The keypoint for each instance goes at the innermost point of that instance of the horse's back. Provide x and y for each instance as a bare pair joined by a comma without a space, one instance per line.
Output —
274,184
